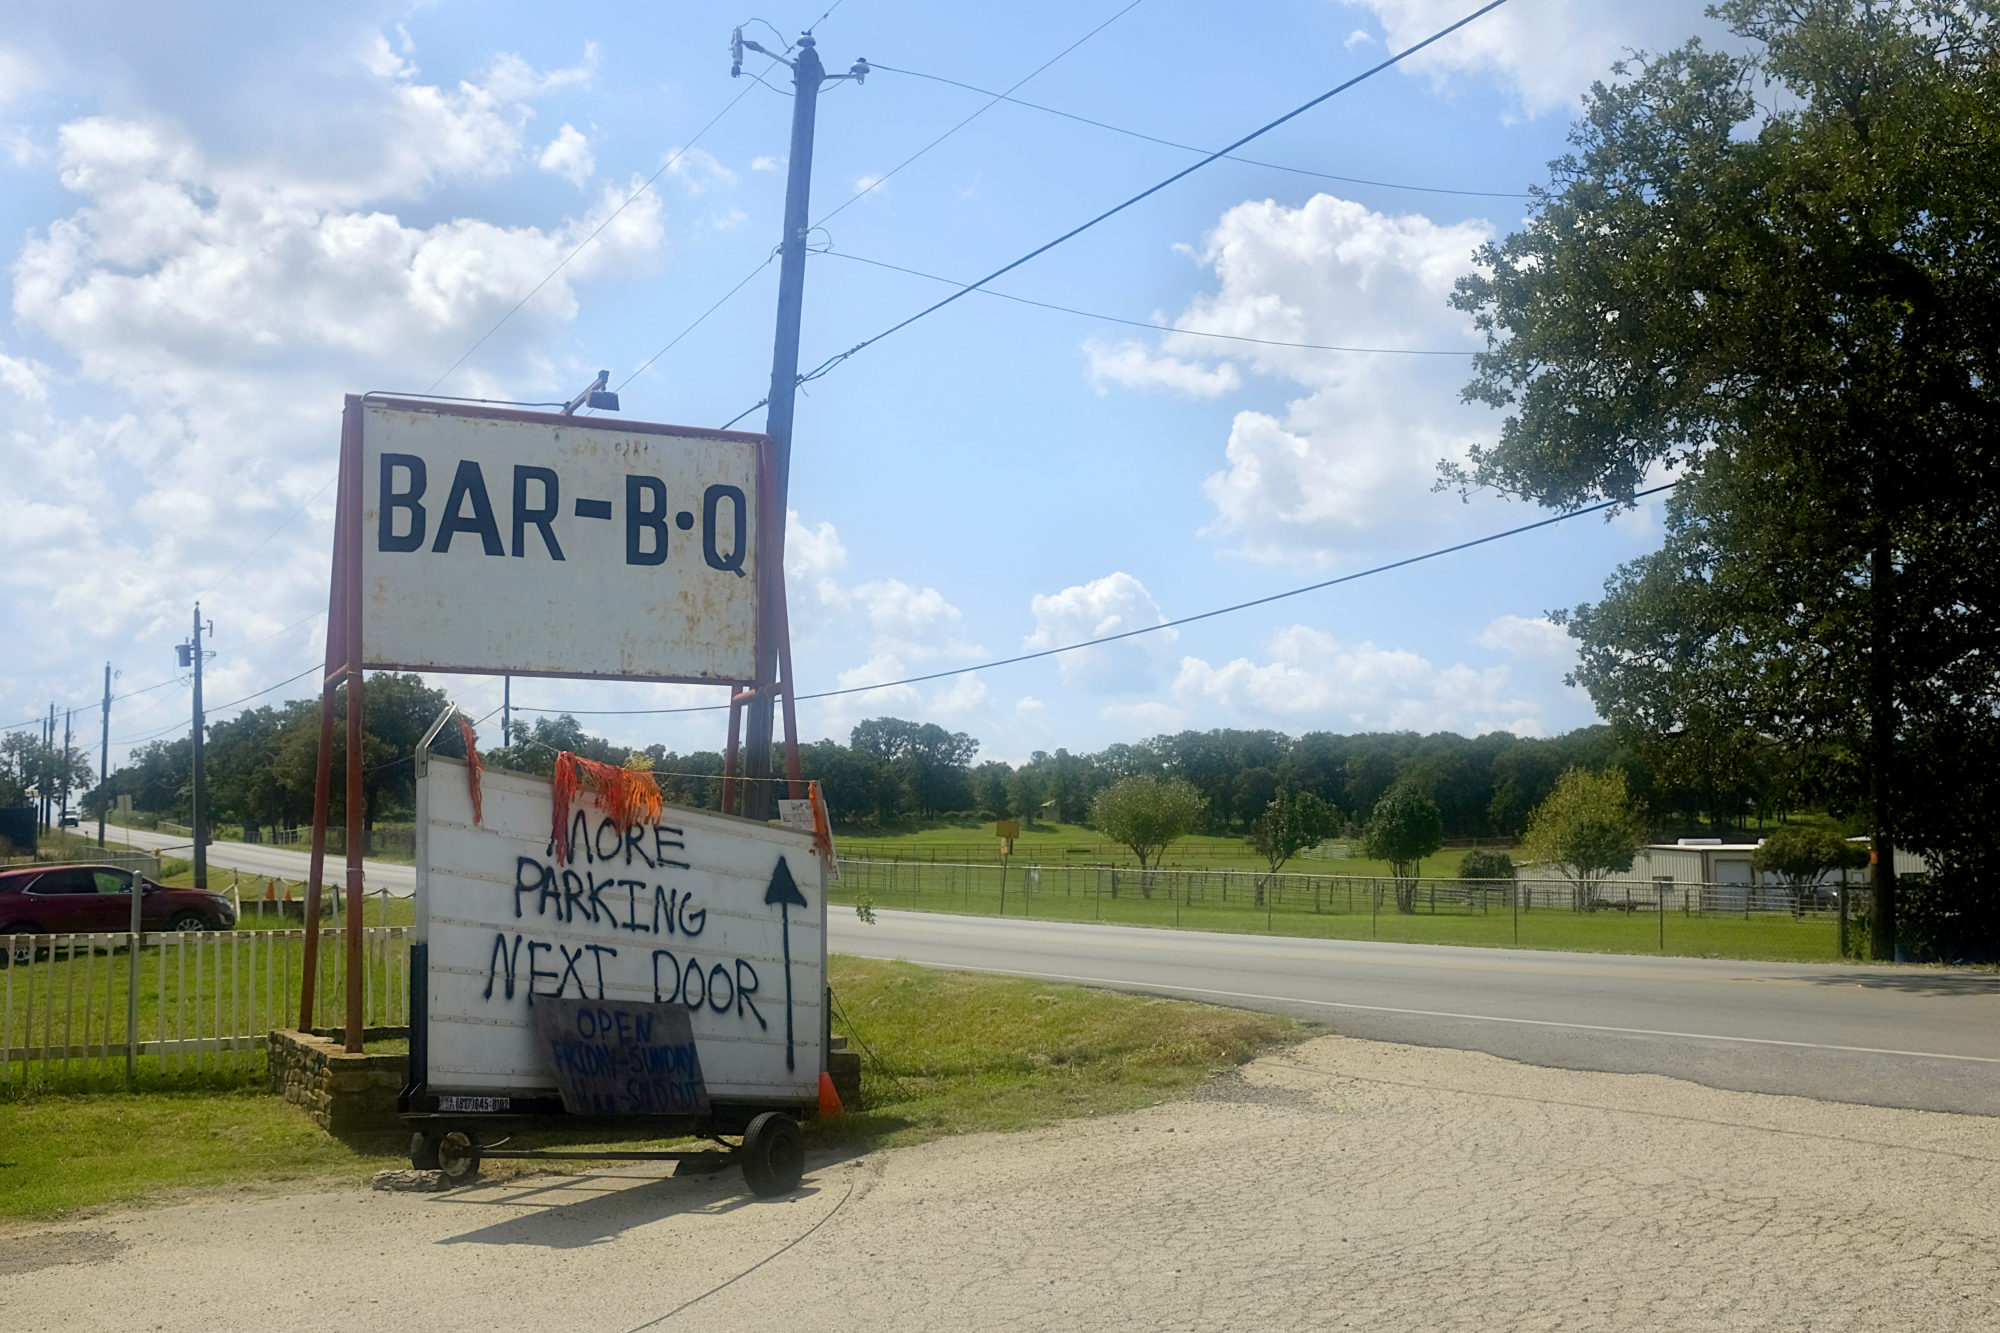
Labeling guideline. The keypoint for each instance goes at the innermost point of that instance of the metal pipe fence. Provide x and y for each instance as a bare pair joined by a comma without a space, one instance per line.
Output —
1622,915
92,1006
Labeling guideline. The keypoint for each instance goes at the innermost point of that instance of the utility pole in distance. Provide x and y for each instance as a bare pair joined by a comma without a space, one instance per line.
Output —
104,758
807,76
192,655
69,733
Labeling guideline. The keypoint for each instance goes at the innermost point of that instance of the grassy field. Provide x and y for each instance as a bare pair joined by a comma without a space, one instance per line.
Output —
1331,907
1050,842
947,1053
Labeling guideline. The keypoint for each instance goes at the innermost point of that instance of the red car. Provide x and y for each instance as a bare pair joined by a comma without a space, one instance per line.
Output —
88,899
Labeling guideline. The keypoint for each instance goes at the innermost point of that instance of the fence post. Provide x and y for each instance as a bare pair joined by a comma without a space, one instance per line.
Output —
1514,902
132,989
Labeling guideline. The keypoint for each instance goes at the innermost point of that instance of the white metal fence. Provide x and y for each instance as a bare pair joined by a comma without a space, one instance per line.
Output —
90,1006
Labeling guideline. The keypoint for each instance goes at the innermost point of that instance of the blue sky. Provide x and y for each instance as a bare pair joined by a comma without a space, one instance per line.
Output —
217,223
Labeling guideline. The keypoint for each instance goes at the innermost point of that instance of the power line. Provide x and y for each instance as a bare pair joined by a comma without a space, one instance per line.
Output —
217,708
883,179
267,539
1149,629
741,283
1140,323
679,153
1190,148
827,366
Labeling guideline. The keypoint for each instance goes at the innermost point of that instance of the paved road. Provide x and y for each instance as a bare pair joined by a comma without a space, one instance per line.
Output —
261,859
1919,1038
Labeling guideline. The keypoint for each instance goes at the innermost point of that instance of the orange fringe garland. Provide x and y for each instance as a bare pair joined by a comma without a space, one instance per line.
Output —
473,768
627,796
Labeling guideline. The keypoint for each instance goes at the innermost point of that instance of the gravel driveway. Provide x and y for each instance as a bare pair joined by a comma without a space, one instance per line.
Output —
1338,1184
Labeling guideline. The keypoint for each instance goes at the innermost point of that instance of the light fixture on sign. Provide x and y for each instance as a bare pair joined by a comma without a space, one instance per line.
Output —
596,397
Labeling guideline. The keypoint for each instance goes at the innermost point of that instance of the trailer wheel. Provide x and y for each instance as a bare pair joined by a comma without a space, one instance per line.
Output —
774,1154
424,1151
458,1158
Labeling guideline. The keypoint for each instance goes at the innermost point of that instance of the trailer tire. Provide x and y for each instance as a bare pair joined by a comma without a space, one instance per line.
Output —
424,1151
458,1158
774,1154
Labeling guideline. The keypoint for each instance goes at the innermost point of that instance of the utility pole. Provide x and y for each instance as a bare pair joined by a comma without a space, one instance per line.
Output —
48,781
104,759
192,655
69,715
506,711
807,76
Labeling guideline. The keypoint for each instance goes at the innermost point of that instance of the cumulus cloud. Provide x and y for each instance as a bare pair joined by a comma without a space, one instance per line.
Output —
1355,455
568,155
1545,54
1311,680
1114,604
698,172
1539,640
1132,366
213,308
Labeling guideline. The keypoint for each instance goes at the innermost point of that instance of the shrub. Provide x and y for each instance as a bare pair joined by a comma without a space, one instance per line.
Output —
1484,863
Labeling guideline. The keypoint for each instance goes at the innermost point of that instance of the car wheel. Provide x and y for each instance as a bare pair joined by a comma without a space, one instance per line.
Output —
774,1154
187,920
424,1151
18,953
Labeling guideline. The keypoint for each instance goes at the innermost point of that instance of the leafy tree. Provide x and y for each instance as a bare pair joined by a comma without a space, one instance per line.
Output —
989,788
1485,863
1291,823
930,761
1790,305
1146,813
1587,829
1801,856
1404,828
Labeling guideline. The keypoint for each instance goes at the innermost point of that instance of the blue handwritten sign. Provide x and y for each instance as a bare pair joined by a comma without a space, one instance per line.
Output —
612,1057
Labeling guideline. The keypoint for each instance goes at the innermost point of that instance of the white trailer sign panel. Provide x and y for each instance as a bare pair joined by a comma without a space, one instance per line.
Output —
551,545
721,915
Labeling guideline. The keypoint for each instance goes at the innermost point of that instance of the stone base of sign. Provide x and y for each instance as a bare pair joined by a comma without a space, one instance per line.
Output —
345,1094
409,1182
845,1067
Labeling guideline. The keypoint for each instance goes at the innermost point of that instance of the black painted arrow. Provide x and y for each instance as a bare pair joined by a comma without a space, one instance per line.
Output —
784,891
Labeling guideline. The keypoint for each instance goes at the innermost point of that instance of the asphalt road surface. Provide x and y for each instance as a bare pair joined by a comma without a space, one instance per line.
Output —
262,859
1916,1038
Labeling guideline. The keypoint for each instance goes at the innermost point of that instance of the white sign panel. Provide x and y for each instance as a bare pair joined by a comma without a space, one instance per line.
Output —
556,545
719,914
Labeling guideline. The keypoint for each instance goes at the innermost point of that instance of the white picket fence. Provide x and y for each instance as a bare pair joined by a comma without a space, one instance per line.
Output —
198,1001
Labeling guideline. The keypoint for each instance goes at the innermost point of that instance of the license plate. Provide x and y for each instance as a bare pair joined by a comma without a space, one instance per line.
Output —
475,1103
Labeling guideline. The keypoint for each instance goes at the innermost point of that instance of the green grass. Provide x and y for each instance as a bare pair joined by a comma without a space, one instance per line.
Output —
60,1153
1338,907
1050,843
958,1052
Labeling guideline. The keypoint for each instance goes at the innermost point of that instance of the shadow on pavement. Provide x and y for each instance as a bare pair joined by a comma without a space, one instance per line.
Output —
1914,982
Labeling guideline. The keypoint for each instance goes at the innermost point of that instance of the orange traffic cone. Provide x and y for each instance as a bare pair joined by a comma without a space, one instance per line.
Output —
829,1098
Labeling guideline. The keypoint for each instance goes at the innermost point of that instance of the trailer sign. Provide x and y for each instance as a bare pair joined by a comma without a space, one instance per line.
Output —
718,917
555,545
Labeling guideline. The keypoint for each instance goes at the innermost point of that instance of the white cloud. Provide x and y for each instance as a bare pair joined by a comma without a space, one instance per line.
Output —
1114,604
1540,640
766,163
1545,54
698,171
869,184
1359,37
1132,366
1313,681
213,308
18,75
568,155
1355,456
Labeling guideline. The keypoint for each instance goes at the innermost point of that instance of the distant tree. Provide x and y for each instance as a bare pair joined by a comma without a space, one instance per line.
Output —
1800,856
1485,863
857,785
1146,813
989,788
1404,828
1291,823
930,761
1588,828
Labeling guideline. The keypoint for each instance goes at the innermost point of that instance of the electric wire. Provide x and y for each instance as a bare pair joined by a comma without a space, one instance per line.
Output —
1190,148
1146,629
288,521
825,367
666,166
217,708
879,181
675,340
1140,323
